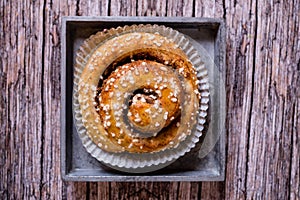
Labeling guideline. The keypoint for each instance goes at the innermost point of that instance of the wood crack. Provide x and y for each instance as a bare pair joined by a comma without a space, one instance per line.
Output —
194,8
78,12
109,8
87,195
167,1
251,99
224,10
200,190
43,102
292,152
136,8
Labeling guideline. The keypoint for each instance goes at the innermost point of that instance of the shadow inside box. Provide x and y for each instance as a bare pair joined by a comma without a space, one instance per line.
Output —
186,164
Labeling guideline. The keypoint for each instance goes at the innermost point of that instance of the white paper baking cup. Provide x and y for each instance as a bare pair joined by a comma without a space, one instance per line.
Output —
141,162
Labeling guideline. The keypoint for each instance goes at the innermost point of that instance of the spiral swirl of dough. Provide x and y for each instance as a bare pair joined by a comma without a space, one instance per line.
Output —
138,93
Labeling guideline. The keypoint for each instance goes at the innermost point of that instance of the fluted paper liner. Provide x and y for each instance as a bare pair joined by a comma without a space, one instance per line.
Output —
141,162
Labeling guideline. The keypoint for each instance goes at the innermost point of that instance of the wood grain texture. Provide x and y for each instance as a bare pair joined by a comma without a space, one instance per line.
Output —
273,111
22,133
262,85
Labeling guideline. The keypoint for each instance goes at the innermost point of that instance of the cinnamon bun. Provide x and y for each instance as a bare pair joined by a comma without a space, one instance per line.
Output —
138,91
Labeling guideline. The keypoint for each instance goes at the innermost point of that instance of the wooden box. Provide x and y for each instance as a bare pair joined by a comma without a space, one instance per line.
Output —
209,165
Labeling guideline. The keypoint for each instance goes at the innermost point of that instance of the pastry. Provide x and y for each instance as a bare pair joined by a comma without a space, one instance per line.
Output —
138,91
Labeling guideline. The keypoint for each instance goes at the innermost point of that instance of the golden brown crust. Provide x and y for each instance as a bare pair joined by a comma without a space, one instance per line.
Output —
143,105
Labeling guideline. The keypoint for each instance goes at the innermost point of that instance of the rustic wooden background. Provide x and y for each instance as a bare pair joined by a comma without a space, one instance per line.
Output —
262,85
